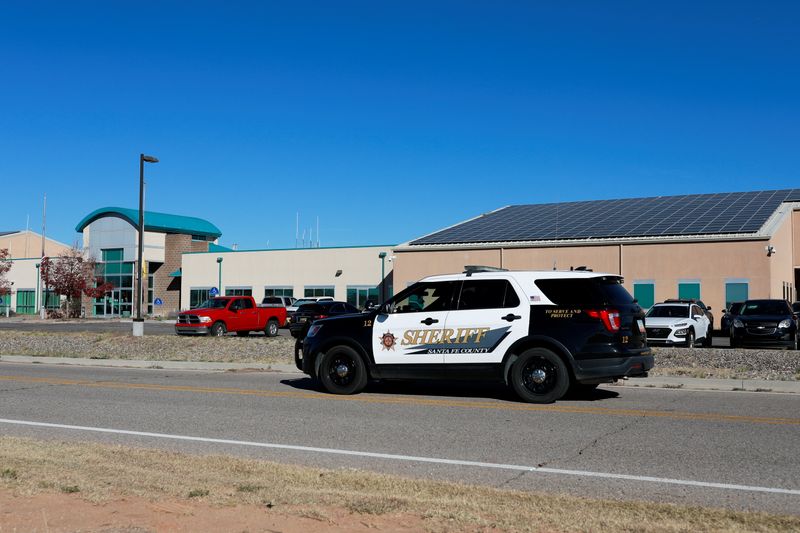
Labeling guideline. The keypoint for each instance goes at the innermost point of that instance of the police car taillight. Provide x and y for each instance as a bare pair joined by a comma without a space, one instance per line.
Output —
610,318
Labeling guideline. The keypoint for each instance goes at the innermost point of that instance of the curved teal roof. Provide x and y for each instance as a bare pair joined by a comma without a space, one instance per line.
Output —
154,222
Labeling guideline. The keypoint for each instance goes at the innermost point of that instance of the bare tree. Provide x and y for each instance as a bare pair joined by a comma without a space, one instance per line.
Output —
71,274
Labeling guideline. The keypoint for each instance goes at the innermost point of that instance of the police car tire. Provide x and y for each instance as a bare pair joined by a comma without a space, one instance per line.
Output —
556,376
330,371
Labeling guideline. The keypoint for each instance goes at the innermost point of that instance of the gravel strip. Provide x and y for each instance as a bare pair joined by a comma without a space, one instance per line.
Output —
229,349
696,363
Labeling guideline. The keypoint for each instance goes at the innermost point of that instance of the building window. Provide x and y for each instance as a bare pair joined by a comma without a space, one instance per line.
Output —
238,291
645,293
359,295
119,300
689,290
735,291
198,296
318,291
26,302
279,291
199,238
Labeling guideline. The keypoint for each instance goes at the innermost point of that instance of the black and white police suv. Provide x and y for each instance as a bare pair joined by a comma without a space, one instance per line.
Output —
539,332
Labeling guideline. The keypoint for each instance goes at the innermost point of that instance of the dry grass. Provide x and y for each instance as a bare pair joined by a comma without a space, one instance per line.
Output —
103,472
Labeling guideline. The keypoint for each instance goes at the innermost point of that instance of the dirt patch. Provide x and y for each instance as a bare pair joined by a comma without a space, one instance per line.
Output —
54,512
116,488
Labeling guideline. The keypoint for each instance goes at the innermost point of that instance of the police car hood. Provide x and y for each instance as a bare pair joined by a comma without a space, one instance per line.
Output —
664,321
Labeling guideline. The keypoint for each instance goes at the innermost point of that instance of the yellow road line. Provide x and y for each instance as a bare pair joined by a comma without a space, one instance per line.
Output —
405,400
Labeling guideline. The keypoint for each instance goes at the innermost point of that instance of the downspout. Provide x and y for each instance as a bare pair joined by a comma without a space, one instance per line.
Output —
620,259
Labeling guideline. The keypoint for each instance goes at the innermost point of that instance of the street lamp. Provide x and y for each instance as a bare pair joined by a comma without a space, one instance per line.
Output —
382,256
219,279
138,322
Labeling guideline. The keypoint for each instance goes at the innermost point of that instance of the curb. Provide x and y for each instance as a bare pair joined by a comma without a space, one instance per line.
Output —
659,382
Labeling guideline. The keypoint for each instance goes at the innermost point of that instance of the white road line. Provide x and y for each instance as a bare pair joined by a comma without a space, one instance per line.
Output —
411,458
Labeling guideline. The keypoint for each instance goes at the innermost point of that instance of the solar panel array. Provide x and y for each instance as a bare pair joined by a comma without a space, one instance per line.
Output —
691,214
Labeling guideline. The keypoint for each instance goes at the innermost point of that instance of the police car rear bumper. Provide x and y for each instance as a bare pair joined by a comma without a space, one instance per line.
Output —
608,369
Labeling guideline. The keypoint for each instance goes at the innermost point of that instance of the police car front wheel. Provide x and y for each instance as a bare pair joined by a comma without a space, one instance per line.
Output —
342,371
539,376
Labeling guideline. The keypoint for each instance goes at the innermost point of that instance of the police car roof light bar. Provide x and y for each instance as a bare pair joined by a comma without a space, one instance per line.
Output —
472,269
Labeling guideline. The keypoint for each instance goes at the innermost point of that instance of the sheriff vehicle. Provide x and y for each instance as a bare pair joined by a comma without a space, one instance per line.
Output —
541,333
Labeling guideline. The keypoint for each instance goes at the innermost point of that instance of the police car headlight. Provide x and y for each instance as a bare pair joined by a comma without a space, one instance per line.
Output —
785,323
737,323
205,319
681,332
313,330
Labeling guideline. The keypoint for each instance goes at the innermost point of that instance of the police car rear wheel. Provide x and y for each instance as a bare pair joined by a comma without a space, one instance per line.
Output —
539,376
342,371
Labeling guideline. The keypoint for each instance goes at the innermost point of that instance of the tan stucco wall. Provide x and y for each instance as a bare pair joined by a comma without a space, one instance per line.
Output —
667,264
796,238
23,274
296,268
782,261
28,244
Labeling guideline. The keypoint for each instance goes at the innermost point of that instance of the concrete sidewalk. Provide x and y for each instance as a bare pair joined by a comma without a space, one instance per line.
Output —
683,383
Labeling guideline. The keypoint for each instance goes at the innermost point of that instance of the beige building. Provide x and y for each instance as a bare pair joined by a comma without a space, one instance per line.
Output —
25,249
717,247
353,274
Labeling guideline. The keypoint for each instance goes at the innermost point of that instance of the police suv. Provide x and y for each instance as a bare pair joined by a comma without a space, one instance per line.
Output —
542,333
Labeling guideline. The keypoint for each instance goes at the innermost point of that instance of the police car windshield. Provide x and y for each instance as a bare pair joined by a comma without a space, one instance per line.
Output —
214,303
765,307
669,311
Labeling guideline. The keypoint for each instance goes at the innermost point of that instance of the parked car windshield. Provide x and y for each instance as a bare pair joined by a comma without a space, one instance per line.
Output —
669,311
214,303
765,307
735,308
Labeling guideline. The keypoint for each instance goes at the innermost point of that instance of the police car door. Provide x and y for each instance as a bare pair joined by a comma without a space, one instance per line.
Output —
407,329
488,317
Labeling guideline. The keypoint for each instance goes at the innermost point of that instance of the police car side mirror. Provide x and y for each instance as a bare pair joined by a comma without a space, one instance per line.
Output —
369,305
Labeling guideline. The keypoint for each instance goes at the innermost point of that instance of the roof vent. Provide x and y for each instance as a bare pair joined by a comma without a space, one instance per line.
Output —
472,269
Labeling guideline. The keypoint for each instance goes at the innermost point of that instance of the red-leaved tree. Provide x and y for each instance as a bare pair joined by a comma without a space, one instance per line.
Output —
5,266
71,274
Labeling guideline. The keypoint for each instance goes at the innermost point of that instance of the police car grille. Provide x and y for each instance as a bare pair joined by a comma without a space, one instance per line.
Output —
658,333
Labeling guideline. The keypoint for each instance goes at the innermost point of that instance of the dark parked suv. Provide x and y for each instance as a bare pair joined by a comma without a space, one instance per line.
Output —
306,314
765,323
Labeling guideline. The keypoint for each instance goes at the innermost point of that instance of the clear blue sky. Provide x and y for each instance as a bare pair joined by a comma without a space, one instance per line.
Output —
388,120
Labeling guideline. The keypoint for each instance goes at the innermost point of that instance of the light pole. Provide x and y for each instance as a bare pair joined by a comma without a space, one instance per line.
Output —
37,301
219,278
382,256
138,322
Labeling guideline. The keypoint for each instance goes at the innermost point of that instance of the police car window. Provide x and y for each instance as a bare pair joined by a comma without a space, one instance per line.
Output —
487,294
585,291
424,297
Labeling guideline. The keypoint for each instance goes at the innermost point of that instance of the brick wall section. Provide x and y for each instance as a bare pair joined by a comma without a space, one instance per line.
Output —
165,287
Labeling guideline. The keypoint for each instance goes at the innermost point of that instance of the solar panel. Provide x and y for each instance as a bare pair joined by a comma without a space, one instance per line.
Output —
692,214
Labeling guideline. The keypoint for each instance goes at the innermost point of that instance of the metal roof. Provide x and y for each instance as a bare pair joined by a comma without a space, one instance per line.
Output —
661,216
154,222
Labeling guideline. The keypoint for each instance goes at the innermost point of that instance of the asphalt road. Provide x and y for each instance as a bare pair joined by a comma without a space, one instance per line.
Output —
151,327
735,450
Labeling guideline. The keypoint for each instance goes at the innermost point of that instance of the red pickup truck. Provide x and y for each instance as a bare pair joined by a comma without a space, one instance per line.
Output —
217,316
